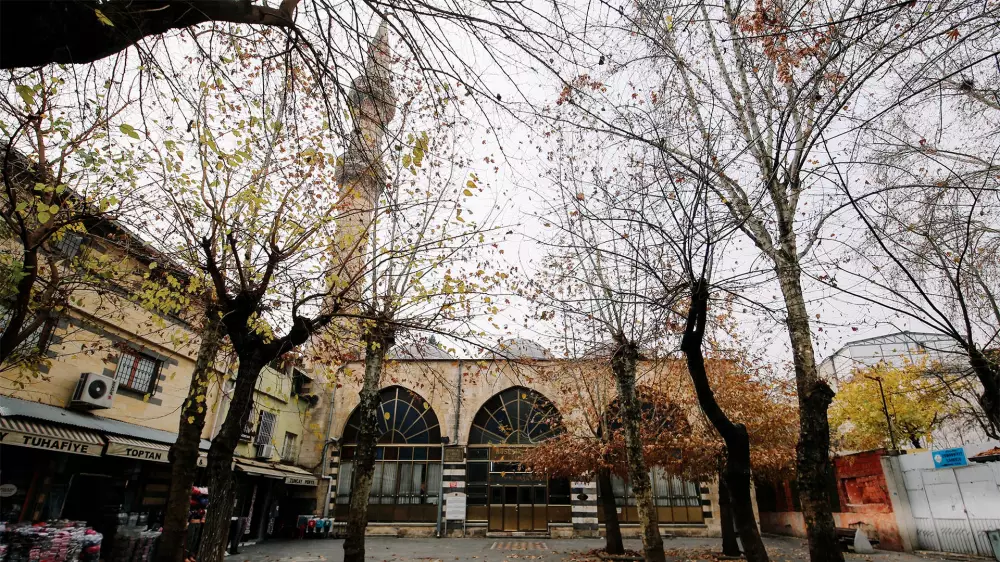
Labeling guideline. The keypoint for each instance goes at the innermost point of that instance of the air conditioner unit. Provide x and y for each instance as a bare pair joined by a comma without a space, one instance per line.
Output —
94,392
265,451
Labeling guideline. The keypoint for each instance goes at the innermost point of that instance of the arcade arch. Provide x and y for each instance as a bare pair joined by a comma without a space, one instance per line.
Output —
406,484
500,490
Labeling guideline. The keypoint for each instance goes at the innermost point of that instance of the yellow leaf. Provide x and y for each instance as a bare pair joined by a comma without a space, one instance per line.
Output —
103,18
467,193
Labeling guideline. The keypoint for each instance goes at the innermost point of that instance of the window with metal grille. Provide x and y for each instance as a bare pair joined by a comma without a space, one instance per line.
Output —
69,245
136,371
247,432
265,429
290,447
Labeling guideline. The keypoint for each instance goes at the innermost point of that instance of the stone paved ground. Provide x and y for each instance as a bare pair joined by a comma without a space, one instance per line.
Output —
380,549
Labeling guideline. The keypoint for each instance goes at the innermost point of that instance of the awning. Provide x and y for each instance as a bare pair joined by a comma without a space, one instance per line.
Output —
137,449
39,435
290,474
16,408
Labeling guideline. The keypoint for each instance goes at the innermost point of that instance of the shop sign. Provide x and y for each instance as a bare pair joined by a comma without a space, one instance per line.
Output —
454,454
7,490
515,478
136,452
948,458
508,453
49,443
301,480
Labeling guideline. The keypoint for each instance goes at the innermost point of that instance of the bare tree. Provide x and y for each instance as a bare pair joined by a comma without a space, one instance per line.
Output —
773,87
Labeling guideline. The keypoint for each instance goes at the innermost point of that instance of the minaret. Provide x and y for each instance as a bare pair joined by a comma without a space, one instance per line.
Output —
361,172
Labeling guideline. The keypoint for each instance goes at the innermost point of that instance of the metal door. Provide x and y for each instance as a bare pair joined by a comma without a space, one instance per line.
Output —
953,507
510,508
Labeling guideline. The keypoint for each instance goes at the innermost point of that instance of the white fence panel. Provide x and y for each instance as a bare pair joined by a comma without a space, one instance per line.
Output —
953,507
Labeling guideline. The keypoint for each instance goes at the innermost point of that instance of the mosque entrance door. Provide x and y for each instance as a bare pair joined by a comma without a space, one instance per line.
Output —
518,508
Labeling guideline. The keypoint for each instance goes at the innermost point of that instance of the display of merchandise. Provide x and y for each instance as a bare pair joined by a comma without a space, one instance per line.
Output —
133,542
54,541
199,504
312,526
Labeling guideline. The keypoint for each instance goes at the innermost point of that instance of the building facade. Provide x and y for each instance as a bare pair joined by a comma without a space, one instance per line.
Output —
456,428
85,431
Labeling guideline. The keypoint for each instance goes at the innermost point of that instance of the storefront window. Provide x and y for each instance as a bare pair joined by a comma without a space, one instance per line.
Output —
406,483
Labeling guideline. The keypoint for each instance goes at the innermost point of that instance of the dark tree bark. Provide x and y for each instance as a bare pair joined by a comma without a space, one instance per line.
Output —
736,473
988,372
377,343
730,546
14,333
812,459
254,353
184,452
623,364
606,497
40,32
222,493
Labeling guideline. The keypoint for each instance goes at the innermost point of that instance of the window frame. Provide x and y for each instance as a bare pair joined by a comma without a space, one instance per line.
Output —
259,438
138,357
286,454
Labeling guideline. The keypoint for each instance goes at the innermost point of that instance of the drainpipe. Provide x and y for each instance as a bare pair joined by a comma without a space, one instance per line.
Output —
326,453
458,401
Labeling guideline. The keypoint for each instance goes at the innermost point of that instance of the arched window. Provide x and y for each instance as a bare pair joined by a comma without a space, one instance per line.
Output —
404,418
504,427
406,483
676,500
516,416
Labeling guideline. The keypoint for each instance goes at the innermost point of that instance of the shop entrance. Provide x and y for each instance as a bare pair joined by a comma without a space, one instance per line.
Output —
518,508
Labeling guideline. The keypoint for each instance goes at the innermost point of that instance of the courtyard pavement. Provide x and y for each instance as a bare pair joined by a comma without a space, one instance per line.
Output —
382,549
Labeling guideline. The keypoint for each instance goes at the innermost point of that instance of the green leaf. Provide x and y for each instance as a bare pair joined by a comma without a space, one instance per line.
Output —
26,93
128,130
103,18
44,216
54,209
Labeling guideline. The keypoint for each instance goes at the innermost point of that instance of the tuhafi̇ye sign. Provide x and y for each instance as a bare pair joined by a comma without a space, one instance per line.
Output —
49,443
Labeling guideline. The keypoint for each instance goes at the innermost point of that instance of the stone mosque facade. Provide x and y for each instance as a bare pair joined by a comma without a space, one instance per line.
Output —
451,427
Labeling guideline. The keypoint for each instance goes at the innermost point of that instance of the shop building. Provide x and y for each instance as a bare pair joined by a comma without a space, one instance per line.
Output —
85,433
273,486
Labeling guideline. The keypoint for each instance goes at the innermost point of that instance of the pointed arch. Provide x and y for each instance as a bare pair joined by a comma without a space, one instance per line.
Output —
404,418
406,480
515,416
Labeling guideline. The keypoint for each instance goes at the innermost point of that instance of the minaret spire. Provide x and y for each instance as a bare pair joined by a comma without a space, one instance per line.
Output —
372,102
361,171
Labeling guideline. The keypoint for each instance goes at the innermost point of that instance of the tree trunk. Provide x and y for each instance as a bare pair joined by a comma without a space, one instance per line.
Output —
377,344
623,364
813,466
184,452
730,546
736,474
988,373
56,31
221,491
21,306
606,497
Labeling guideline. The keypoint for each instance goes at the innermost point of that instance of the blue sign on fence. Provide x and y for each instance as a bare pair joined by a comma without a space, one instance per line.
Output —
948,458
